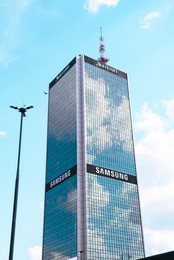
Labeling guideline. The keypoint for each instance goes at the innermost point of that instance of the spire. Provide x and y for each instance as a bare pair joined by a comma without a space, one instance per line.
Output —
102,58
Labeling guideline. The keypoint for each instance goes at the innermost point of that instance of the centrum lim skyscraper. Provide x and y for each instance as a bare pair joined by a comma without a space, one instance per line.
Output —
92,209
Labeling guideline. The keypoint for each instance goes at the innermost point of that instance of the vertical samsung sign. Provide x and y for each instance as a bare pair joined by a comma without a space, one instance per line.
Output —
61,178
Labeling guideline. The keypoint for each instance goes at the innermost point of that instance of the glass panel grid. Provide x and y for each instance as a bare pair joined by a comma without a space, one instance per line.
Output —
113,214
60,218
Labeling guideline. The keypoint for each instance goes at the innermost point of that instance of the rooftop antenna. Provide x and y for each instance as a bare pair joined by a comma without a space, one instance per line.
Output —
102,58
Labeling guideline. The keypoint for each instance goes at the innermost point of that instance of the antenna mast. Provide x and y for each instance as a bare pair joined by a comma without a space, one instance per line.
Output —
102,58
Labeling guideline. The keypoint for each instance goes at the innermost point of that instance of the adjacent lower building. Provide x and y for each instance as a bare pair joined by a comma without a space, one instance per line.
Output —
162,256
92,208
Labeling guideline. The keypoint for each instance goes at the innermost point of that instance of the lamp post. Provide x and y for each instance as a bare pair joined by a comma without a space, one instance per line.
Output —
22,110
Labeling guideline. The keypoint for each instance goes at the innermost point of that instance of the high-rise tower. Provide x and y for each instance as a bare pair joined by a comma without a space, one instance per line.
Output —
92,209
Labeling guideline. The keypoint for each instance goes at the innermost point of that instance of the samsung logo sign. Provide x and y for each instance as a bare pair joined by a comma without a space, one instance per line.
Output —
112,174
61,178
115,175
93,169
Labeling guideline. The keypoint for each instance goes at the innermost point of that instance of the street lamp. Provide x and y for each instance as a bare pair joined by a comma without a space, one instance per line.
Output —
22,110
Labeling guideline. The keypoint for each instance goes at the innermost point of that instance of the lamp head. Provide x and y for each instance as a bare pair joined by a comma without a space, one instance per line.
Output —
14,107
29,107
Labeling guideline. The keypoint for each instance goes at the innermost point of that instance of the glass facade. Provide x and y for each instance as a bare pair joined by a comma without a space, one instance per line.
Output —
92,208
114,229
60,218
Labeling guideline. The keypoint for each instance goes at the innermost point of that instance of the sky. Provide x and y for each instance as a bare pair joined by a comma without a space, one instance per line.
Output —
37,40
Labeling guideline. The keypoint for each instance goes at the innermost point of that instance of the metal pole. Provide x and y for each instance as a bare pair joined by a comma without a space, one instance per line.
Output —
16,194
22,110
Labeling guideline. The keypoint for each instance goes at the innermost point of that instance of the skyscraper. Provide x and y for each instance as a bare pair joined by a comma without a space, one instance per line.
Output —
92,209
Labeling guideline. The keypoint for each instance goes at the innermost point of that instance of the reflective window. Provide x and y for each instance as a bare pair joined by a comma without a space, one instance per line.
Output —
113,220
114,229
60,218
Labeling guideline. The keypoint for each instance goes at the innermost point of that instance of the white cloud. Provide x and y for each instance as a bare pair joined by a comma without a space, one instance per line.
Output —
123,123
170,109
155,164
152,15
160,241
155,149
148,121
52,256
55,255
93,5
147,20
155,196
100,196
102,111
35,252
71,202
111,126
100,240
2,133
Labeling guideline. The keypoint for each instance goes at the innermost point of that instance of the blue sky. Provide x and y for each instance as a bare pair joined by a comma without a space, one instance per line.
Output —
38,39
